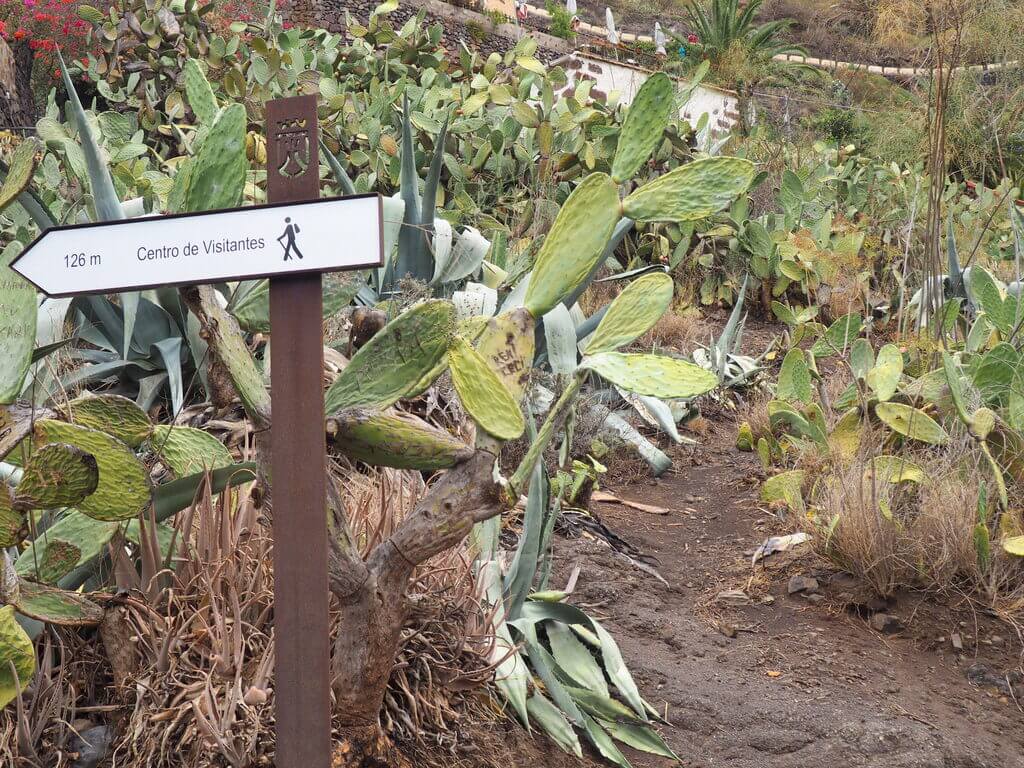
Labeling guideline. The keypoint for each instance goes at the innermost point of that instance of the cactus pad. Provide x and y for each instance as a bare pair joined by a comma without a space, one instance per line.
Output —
654,375
59,559
187,450
911,422
23,166
507,344
15,425
200,95
483,394
217,176
395,362
11,520
395,439
56,475
113,414
691,192
88,536
15,648
644,125
123,489
575,243
633,312
18,331
57,606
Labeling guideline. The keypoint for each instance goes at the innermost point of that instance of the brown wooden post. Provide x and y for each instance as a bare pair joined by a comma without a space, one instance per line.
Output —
298,461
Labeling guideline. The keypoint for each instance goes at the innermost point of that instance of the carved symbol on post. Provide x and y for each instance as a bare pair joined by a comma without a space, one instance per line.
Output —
293,137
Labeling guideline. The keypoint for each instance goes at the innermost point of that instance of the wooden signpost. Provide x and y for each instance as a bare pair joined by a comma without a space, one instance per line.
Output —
292,240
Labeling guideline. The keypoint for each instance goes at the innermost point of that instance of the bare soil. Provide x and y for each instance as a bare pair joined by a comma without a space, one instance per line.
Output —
784,682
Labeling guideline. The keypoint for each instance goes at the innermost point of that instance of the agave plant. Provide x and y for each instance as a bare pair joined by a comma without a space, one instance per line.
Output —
724,24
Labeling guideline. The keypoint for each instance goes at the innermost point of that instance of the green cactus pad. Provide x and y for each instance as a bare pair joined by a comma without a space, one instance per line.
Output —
575,243
396,361
23,166
15,648
654,375
18,328
911,422
507,344
88,536
113,414
187,450
200,95
123,489
633,312
59,559
57,606
395,439
483,394
644,125
217,177
57,475
11,520
691,192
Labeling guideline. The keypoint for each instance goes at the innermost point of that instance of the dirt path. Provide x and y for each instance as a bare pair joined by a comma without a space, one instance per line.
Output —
783,682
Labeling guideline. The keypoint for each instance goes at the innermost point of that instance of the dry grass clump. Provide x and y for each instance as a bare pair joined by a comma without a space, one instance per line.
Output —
679,329
896,536
182,668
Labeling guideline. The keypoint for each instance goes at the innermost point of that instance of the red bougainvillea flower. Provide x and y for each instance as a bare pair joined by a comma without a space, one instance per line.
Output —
692,39
20,34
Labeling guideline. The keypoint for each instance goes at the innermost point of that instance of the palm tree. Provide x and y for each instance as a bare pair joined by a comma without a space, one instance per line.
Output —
723,24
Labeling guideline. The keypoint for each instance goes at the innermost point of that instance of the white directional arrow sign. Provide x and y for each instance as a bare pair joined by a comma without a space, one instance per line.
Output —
186,249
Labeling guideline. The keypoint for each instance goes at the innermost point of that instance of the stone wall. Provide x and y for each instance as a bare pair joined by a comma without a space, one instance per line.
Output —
461,25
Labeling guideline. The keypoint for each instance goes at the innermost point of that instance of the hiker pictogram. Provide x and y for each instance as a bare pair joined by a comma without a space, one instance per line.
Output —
290,231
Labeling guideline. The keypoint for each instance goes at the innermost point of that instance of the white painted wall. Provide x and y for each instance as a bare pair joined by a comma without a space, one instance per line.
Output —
720,105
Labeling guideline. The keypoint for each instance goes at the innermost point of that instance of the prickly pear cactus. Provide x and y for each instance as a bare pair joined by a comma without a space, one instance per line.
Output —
113,414
187,450
17,326
507,344
483,394
23,166
200,95
16,649
395,439
217,173
575,243
75,532
654,375
56,606
691,192
632,313
12,521
644,125
123,489
394,363
56,475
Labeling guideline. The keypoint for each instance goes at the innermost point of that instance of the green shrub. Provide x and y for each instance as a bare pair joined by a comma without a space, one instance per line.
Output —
561,21
839,125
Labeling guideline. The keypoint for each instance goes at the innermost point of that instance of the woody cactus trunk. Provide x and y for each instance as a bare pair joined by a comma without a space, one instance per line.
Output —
490,360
